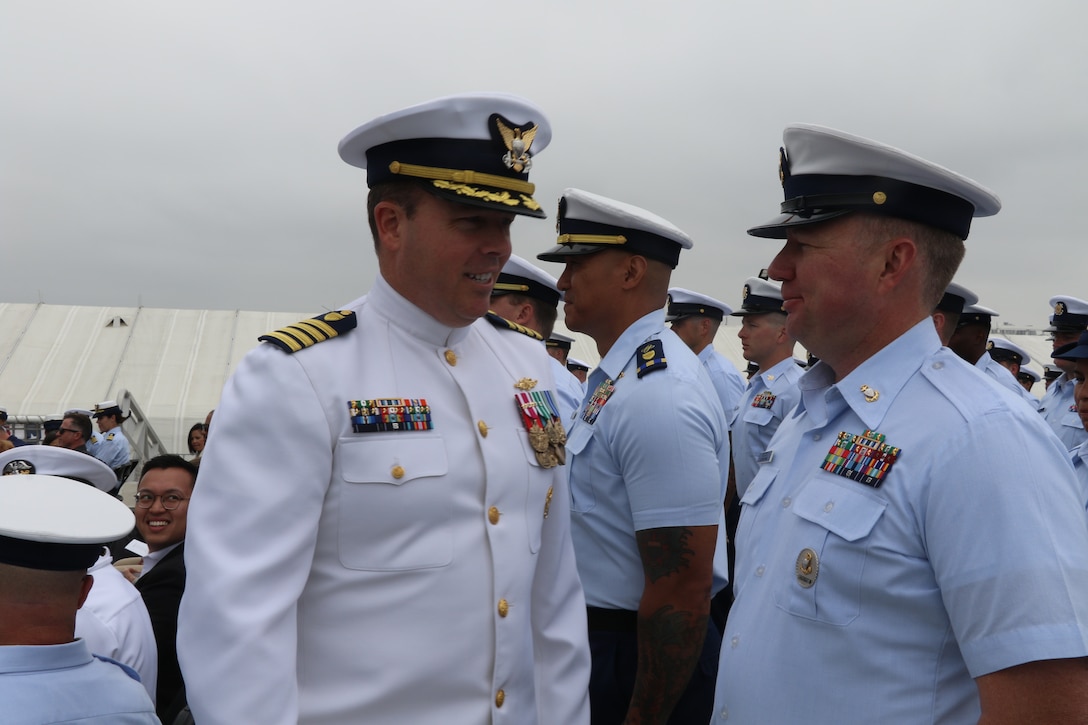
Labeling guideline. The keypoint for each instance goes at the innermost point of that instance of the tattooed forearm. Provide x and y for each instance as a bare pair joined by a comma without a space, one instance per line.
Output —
669,644
664,551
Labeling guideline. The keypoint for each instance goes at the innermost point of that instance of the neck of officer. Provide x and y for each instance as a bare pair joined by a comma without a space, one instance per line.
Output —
39,607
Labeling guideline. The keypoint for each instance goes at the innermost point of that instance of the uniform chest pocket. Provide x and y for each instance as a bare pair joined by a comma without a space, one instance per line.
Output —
830,540
582,496
395,503
758,416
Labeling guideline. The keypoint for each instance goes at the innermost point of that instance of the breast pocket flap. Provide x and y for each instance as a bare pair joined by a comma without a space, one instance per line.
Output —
843,508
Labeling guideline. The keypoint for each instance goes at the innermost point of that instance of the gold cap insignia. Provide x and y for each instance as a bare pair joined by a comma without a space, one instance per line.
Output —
1059,309
517,140
747,291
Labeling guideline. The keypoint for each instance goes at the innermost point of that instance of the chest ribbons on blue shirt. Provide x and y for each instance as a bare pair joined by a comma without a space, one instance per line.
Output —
865,458
764,400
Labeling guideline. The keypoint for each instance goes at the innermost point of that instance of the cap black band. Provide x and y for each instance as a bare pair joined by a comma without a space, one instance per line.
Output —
535,289
809,194
1000,354
560,344
951,303
753,304
686,309
636,241
48,556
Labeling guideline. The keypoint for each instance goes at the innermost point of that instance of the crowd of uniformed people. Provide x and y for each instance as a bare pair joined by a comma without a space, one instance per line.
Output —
463,524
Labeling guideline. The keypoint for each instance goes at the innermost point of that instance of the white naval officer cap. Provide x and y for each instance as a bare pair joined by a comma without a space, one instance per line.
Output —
520,277
685,303
574,363
82,411
560,341
1070,314
1027,374
56,461
589,223
108,407
760,296
475,148
956,297
827,173
976,314
1004,350
57,524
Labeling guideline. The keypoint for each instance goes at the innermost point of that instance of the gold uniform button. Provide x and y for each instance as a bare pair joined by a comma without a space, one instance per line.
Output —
504,608
493,514
398,472
451,357
500,698
483,428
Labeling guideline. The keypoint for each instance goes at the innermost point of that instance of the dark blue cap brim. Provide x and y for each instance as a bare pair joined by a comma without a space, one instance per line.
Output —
778,227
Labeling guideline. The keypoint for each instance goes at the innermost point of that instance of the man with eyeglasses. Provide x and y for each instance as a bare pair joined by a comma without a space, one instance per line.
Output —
74,432
162,506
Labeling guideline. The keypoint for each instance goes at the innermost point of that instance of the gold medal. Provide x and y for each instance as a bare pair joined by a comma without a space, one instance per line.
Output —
538,438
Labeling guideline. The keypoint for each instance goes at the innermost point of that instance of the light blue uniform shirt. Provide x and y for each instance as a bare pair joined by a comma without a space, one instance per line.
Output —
1060,411
861,604
754,424
65,683
1004,377
657,455
569,392
728,382
1080,465
110,447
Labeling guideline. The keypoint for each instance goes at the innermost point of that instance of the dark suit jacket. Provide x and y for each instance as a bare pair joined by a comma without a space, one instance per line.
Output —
161,590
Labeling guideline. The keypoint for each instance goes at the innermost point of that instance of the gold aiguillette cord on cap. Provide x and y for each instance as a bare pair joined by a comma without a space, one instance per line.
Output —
463,177
591,239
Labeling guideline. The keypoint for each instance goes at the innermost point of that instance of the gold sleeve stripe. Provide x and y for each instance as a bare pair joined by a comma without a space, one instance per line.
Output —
313,329
323,326
464,177
591,239
286,340
303,335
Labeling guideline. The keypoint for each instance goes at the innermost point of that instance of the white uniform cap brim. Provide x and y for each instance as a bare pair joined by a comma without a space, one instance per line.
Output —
682,296
1072,304
462,117
519,267
1003,344
561,337
957,289
814,149
56,510
979,310
590,207
1025,370
54,461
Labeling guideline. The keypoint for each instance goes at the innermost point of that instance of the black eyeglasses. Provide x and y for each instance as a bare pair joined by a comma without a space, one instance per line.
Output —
67,430
170,501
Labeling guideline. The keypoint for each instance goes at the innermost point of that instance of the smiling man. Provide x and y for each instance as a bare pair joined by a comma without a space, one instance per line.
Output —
162,507
420,485
914,548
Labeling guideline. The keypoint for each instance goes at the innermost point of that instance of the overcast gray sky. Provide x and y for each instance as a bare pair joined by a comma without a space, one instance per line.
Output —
184,154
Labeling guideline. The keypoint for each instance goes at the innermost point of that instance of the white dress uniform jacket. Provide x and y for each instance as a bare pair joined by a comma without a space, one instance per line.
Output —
418,576
114,623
